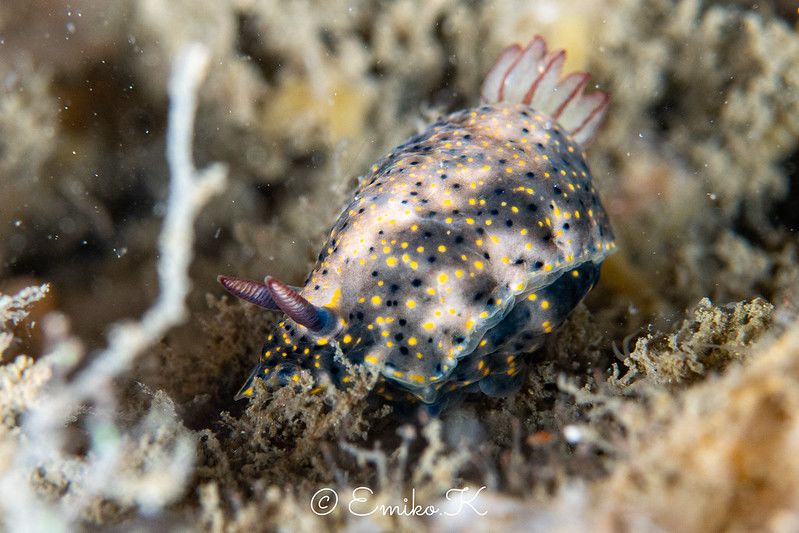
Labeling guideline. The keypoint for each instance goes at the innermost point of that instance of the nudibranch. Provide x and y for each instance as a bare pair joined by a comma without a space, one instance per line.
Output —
461,250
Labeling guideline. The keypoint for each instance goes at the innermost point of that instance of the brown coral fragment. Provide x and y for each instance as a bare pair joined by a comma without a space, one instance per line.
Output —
723,452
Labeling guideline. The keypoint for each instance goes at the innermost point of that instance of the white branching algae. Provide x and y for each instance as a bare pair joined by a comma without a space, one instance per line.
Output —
88,395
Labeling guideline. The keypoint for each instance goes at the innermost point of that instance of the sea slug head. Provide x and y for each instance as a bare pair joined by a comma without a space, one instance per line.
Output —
305,340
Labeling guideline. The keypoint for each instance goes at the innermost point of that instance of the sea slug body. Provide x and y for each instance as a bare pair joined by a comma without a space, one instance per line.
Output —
461,250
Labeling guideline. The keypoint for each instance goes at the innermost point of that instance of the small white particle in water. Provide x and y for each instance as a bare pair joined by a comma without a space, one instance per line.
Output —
17,223
712,196
121,252
70,27
640,135
217,233
572,434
